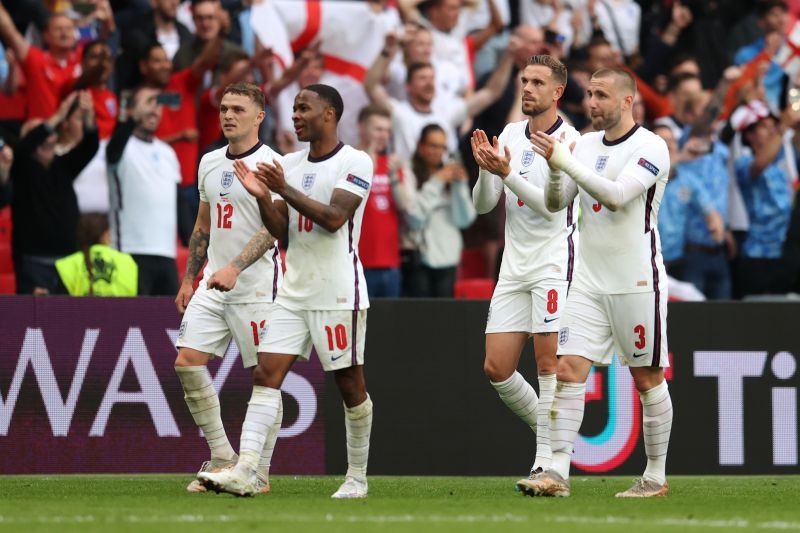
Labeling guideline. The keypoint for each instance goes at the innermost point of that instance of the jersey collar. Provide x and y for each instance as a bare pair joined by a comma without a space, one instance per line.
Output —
250,152
551,130
621,139
320,159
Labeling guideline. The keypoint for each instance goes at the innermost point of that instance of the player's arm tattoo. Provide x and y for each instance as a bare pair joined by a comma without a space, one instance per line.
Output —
198,250
255,249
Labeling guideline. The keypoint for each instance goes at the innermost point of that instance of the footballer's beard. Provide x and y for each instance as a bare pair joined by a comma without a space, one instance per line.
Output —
533,109
606,120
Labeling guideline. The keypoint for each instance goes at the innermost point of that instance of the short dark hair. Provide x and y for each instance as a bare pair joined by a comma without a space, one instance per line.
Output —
765,6
148,48
330,95
231,58
597,40
196,2
91,44
250,90
413,68
373,110
621,75
675,81
557,68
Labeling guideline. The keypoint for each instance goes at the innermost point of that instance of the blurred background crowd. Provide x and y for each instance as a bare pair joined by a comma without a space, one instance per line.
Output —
107,106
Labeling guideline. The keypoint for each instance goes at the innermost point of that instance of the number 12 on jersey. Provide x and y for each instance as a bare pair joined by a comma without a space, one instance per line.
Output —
224,215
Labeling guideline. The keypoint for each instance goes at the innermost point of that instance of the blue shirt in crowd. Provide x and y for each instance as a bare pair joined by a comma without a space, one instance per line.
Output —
768,199
773,81
710,178
673,214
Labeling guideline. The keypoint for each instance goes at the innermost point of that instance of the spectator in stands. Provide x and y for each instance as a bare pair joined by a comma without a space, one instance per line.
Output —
437,208
234,67
379,247
772,19
6,160
211,22
46,72
311,66
178,125
44,207
96,269
144,175
95,21
687,100
767,192
674,208
408,118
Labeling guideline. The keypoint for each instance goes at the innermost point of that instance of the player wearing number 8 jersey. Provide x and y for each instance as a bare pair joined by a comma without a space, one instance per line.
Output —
618,301
323,301
538,260
239,282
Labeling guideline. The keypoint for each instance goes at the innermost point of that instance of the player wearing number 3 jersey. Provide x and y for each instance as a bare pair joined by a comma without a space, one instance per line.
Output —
239,282
538,260
323,301
618,302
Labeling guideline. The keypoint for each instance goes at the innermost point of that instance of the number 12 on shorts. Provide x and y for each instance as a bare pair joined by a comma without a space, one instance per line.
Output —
338,334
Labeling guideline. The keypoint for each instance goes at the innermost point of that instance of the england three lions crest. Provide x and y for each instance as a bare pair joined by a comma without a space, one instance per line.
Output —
527,157
227,179
601,162
308,181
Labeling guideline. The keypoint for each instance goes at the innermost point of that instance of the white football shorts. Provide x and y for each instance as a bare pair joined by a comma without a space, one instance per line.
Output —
208,326
632,325
339,336
530,307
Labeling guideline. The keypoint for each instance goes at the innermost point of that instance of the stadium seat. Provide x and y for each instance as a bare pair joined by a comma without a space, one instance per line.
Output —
474,288
6,262
8,284
473,264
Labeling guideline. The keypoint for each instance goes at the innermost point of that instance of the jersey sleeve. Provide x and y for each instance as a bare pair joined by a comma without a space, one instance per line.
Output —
201,178
356,175
648,163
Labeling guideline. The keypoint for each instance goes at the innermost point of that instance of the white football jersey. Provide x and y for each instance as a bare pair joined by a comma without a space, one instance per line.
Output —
620,250
536,248
234,220
323,271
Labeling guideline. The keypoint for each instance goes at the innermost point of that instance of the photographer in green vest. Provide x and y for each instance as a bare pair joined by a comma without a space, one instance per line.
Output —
97,269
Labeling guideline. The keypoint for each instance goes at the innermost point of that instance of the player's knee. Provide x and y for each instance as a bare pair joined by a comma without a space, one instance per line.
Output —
494,372
190,358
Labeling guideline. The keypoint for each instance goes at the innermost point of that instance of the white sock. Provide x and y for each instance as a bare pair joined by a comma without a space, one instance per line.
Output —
520,397
656,426
358,425
265,460
547,389
262,412
565,421
203,403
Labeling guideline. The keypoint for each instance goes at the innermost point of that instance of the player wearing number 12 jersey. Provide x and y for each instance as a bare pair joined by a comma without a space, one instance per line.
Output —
618,302
323,300
538,260
239,283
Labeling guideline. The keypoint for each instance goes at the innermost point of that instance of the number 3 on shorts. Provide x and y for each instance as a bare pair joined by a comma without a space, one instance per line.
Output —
639,330
339,334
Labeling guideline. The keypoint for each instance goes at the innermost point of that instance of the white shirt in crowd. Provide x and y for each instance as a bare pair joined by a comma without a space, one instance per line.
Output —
450,81
144,196
235,218
620,251
323,271
91,185
407,124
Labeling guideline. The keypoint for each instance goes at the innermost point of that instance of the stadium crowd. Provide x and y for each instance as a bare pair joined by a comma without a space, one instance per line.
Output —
107,107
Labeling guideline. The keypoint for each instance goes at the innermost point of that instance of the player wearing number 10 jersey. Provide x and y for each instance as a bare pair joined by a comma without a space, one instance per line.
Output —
538,259
239,283
323,300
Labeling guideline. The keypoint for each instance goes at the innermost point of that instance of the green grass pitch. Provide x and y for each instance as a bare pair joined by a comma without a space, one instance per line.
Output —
418,504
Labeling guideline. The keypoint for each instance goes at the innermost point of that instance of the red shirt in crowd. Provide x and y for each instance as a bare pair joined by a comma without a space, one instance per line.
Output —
210,130
46,78
379,246
184,117
106,109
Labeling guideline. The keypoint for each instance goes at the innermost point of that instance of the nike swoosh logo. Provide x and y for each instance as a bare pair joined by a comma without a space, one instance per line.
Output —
523,173
224,193
639,354
548,320
338,357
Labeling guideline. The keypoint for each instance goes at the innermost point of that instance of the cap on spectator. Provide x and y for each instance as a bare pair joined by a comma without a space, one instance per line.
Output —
748,114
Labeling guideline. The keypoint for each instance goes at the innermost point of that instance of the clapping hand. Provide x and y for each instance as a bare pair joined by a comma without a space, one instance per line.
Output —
488,156
252,183
272,175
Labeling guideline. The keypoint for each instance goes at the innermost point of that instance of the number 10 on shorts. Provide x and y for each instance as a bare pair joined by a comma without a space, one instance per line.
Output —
338,334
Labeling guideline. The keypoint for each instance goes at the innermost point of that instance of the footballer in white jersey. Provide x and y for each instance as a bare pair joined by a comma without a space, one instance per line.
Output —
240,281
618,299
323,301
539,255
